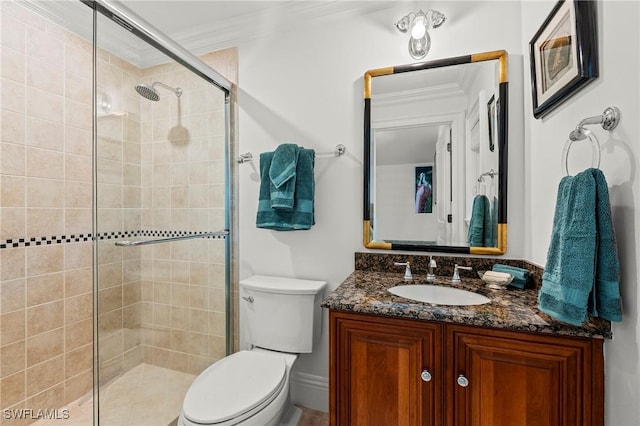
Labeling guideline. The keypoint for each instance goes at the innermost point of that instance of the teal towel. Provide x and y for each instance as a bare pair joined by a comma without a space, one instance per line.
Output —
520,275
282,174
605,301
480,223
494,223
301,216
582,267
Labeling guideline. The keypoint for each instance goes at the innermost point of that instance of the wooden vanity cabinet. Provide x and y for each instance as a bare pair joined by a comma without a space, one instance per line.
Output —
384,371
478,376
506,378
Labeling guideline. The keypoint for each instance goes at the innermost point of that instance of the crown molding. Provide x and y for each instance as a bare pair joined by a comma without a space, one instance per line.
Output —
287,17
273,18
419,94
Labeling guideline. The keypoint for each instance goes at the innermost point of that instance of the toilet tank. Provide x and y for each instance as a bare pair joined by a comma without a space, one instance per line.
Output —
282,314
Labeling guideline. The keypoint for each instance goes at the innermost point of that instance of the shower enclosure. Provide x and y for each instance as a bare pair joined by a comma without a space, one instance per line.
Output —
115,254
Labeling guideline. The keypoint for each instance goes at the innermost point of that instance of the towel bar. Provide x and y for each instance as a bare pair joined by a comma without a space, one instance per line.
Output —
337,152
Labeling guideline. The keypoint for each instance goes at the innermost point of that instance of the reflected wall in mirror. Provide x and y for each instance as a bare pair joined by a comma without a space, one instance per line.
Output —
435,150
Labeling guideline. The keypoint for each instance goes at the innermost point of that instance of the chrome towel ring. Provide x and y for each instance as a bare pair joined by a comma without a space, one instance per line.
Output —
595,150
609,119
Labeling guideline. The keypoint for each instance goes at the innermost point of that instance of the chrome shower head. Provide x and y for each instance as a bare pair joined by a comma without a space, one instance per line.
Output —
149,91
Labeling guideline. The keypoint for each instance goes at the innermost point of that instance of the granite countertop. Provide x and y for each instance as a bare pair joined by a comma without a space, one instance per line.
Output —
512,309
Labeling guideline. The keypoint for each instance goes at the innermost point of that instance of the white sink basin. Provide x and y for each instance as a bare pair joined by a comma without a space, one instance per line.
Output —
438,295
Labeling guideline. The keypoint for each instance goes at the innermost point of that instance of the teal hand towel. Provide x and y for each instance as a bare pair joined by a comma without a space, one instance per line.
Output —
494,223
520,275
480,223
582,268
605,299
282,174
301,216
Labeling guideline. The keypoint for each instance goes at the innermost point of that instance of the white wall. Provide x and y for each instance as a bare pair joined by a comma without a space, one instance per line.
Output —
396,218
618,85
306,88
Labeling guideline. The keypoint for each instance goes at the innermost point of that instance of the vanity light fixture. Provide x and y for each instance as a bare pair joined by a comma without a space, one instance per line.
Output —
418,25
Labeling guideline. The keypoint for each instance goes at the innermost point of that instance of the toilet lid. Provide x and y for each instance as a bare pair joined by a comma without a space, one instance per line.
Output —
234,386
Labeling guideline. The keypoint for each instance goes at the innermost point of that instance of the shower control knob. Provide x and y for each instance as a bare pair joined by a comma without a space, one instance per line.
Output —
425,376
463,381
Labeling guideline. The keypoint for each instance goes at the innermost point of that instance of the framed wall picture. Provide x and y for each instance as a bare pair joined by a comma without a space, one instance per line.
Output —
563,54
424,189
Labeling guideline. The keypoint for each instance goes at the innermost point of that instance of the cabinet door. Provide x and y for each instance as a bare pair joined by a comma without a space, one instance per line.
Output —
380,371
518,379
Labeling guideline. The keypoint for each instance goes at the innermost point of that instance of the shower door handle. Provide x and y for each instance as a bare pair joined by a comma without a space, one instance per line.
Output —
219,234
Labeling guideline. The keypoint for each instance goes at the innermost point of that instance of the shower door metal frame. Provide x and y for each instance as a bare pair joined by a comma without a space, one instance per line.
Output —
132,22
135,24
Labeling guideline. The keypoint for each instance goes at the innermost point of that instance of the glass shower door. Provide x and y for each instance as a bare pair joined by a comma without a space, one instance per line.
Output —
161,179
45,213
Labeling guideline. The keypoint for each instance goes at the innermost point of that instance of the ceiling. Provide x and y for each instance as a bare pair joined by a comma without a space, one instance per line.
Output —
201,26
205,26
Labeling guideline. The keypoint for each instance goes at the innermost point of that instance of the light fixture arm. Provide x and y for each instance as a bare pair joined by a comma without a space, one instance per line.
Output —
436,18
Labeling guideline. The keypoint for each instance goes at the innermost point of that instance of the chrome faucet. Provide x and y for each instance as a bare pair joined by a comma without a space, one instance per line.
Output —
407,270
431,277
456,275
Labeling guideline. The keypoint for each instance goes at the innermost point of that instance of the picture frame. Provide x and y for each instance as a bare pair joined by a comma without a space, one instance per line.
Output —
423,189
563,54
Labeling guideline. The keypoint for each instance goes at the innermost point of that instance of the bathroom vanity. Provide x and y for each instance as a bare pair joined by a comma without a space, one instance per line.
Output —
394,361
401,361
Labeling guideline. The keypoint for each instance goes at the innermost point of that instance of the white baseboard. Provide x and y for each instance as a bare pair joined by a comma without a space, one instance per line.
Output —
310,391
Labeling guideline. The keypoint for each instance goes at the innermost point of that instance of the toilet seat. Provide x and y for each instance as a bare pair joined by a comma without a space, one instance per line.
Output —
235,388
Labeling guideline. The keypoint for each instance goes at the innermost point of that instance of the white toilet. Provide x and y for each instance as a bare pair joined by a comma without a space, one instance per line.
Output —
251,387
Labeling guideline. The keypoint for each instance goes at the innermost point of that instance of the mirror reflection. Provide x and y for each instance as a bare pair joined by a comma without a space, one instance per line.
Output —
435,140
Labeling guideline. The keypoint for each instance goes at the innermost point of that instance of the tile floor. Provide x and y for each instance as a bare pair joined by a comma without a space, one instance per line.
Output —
146,396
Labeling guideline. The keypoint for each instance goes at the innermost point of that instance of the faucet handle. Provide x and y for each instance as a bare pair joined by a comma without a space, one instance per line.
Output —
407,270
456,275
431,277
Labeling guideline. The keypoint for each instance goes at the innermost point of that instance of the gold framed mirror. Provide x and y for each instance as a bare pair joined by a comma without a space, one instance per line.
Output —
435,155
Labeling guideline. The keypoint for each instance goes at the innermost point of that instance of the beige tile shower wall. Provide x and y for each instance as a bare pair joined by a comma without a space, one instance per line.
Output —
182,158
45,191
119,210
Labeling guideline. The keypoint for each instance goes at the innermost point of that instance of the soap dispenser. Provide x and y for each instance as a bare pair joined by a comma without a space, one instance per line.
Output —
431,277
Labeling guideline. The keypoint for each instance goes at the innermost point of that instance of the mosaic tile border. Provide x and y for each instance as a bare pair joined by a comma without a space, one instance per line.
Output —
76,238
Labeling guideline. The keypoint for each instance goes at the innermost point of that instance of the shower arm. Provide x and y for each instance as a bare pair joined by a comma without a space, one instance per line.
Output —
176,90
222,234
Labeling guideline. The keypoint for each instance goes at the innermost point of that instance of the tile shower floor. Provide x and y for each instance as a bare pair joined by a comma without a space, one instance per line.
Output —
145,395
